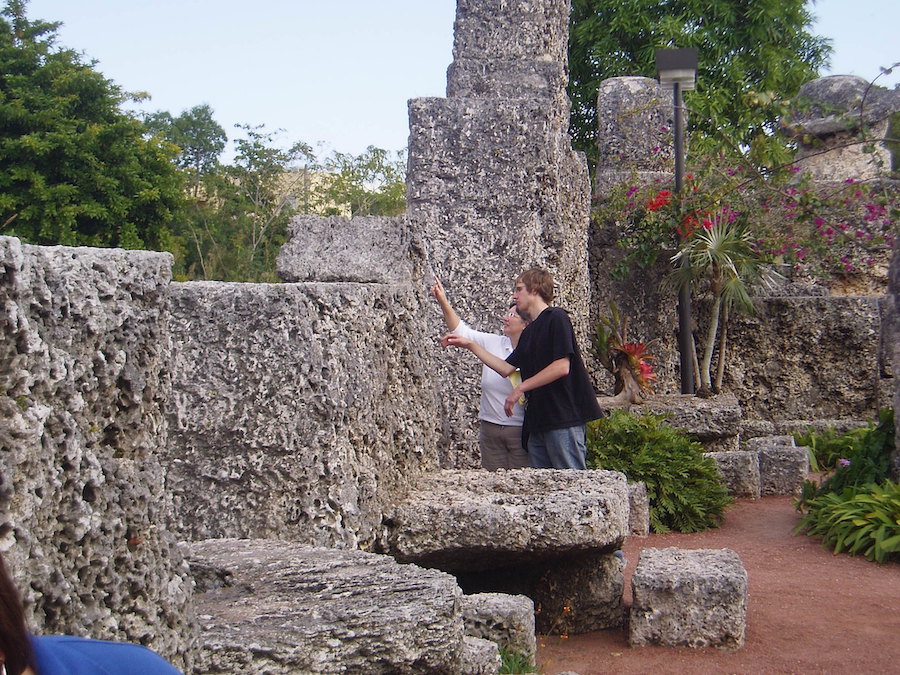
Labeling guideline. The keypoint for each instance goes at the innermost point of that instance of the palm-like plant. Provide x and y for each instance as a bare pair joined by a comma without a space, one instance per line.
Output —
720,257
629,362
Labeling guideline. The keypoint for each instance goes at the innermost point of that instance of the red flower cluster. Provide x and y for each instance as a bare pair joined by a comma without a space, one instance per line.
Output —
662,198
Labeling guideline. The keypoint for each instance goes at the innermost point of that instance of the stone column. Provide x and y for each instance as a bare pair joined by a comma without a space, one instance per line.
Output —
493,184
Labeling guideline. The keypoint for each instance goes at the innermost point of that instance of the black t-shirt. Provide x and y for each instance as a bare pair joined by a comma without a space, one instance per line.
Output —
567,402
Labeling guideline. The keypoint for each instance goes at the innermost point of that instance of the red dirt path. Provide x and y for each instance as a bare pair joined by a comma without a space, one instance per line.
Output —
808,611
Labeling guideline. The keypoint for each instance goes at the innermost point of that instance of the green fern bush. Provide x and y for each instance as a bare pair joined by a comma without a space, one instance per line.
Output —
858,520
684,488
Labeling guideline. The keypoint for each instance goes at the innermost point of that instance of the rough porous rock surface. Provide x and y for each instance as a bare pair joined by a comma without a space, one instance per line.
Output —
789,360
293,609
739,470
692,598
479,657
833,109
893,347
83,509
494,187
478,520
368,249
298,409
507,620
714,422
635,132
782,469
638,509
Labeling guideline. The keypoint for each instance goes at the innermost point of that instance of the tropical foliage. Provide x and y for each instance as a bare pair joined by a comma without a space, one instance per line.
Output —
856,509
74,168
684,488
752,56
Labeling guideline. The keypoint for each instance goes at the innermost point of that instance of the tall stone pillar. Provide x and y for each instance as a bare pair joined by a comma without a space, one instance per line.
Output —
493,184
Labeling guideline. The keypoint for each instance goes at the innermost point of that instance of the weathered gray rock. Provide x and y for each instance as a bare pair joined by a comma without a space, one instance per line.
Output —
581,594
84,364
759,442
635,126
477,520
367,249
893,348
739,470
715,422
479,656
782,469
506,620
296,609
638,509
692,598
299,409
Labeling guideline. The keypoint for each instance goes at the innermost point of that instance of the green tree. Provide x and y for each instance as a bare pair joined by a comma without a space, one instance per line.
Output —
236,226
751,52
200,139
74,168
370,184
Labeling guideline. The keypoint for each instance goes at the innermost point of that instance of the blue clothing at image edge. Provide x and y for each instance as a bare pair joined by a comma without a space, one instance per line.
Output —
67,655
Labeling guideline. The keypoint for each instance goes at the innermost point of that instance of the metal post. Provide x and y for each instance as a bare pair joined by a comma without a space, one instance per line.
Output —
685,344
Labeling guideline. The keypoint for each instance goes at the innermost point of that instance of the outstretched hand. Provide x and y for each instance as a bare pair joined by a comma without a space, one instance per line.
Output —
454,340
437,290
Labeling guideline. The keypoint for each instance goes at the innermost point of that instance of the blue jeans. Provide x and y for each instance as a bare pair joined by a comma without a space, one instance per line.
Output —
558,448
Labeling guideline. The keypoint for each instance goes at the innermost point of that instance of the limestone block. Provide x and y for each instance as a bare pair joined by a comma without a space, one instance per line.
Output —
761,442
303,430
692,598
782,469
479,657
367,249
739,470
714,422
477,520
638,509
507,620
781,373
294,609
83,509
635,126
580,595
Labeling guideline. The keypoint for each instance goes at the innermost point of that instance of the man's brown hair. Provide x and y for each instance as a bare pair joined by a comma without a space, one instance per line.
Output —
14,642
537,280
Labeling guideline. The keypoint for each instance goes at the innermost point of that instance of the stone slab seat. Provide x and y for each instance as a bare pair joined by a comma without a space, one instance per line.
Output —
690,598
460,521
275,607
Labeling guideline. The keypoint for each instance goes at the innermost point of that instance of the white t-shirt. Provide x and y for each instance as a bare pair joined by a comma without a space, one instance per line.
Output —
494,387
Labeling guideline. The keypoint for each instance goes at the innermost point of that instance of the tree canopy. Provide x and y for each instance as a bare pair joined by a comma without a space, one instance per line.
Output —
74,168
751,52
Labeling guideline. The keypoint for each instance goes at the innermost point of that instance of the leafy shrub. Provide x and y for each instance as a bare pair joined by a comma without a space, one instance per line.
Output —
858,457
862,519
684,489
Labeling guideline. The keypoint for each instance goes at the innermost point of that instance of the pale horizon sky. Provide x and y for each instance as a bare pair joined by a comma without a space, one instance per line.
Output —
338,75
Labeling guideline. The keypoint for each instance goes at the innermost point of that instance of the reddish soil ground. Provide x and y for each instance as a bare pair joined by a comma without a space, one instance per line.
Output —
808,611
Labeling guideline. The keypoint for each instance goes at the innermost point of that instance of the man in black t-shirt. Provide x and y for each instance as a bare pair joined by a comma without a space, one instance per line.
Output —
559,397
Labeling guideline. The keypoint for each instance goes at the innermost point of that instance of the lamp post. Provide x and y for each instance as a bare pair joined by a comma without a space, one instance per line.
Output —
678,68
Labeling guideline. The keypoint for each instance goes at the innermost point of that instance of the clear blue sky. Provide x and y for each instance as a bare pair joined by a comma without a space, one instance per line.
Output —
338,73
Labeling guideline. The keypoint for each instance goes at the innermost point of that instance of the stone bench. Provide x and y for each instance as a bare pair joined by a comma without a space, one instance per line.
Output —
278,607
782,465
548,534
692,598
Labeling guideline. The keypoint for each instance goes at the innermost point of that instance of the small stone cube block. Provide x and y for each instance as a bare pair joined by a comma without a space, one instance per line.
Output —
693,598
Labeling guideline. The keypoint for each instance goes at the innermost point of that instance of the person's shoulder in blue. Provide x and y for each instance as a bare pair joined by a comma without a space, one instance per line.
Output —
67,655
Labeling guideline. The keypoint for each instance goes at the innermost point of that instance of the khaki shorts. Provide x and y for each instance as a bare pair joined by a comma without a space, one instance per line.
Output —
501,447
